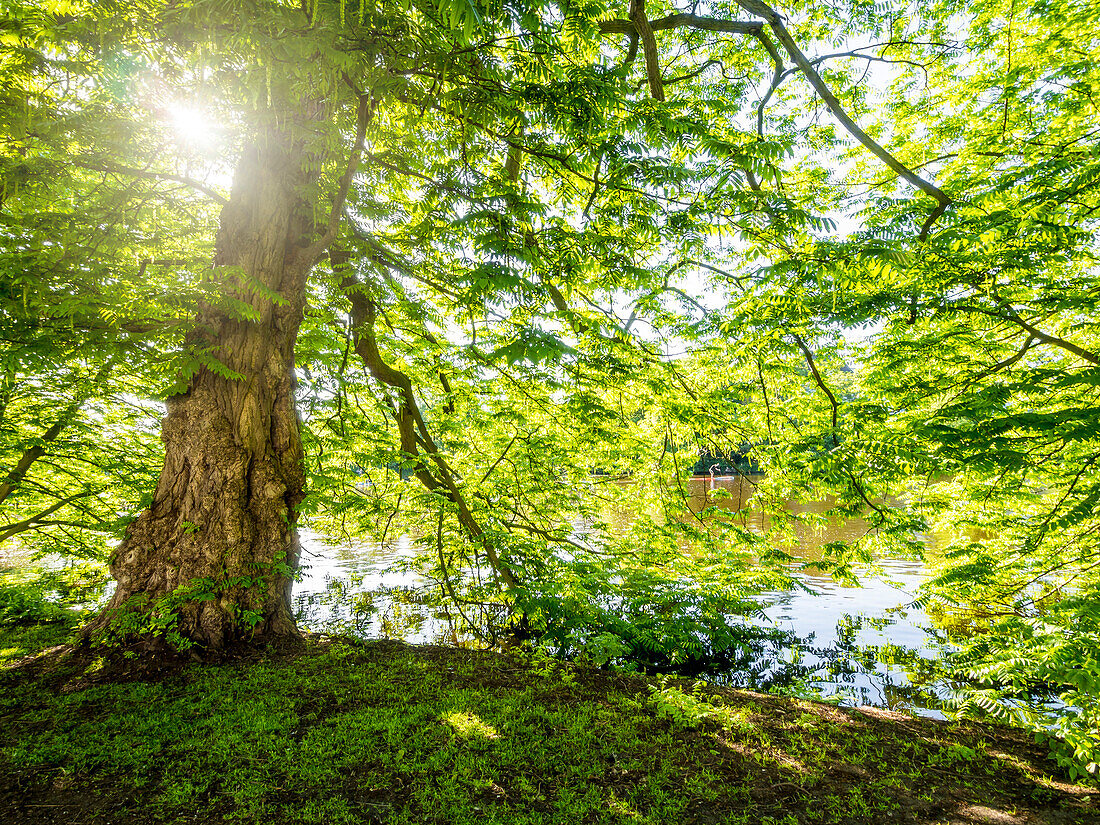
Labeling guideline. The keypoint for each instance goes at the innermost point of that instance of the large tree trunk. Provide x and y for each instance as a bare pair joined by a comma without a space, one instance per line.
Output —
222,520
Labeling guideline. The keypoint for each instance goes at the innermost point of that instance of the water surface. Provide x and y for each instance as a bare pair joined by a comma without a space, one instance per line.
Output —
862,645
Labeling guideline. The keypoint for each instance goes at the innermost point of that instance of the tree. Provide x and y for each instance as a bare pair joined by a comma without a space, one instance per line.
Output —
215,547
470,238
223,512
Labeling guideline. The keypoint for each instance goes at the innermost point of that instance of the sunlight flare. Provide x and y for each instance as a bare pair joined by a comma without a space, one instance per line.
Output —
193,126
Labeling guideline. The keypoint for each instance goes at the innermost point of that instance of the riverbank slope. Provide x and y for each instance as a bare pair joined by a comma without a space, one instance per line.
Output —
340,731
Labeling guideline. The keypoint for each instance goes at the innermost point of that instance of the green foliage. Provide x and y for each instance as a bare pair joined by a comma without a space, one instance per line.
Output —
37,609
604,648
1020,661
580,289
163,620
684,710
24,604
31,595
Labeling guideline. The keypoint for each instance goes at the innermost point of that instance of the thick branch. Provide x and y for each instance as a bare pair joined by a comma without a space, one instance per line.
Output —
631,53
777,78
649,49
820,382
775,22
36,451
676,21
33,521
1008,362
412,430
1012,317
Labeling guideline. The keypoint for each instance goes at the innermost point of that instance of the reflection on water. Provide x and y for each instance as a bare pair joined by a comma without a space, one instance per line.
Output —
364,589
861,645
811,532
372,590
864,645
858,645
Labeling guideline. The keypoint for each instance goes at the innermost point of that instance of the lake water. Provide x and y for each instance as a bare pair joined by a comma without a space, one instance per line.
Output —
856,645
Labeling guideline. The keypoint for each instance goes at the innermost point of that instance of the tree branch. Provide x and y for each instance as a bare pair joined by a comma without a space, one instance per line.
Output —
30,522
675,21
649,49
777,78
820,382
363,114
36,451
775,22
411,427
148,174
1013,317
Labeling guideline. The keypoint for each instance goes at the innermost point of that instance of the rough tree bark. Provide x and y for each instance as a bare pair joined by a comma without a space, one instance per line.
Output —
224,510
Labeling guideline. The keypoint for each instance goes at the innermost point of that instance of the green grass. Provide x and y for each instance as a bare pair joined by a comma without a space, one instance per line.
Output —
29,622
363,733
19,641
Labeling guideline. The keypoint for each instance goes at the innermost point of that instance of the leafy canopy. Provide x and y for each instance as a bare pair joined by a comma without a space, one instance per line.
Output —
589,239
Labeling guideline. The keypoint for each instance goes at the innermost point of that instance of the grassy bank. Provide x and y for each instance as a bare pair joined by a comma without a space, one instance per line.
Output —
334,731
